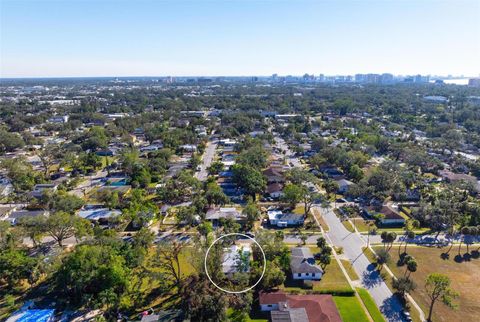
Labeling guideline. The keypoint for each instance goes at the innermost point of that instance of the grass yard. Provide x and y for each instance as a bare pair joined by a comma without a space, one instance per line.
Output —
236,316
299,210
333,280
370,305
349,268
348,226
320,219
350,309
400,230
185,262
370,255
362,224
464,275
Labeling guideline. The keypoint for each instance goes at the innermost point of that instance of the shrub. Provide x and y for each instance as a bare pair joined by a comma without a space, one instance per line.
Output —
345,291
307,284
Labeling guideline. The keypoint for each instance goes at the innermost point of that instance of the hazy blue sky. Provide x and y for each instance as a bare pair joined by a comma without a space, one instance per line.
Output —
135,38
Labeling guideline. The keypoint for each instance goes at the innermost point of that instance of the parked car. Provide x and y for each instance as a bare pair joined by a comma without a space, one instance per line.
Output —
407,316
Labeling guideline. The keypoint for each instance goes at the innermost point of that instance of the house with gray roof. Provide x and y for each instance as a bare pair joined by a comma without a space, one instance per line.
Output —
215,214
17,215
302,265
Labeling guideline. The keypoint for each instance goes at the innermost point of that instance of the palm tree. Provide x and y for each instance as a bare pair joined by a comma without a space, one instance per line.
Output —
403,285
383,257
411,266
465,231
370,229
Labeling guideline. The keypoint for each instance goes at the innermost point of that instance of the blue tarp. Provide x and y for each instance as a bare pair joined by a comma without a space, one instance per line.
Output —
37,316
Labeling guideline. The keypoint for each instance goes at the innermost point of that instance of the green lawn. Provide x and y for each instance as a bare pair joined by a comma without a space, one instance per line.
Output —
370,305
370,255
350,309
348,226
349,268
400,230
333,280
235,316
299,210
320,219
362,224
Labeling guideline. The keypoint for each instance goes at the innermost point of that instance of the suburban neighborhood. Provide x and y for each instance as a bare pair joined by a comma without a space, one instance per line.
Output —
113,191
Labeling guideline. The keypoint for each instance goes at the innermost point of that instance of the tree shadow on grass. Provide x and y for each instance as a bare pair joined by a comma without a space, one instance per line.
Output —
445,256
475,254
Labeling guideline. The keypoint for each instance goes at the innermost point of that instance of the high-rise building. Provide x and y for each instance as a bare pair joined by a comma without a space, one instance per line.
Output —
474,82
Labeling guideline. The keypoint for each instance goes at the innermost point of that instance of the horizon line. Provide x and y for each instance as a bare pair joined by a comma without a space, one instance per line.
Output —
236,76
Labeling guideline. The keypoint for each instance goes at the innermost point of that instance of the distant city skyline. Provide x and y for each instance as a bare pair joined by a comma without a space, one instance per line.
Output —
238,38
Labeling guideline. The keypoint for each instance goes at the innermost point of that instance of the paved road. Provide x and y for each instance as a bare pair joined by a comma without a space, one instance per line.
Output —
370,278
207,159
430,239
282,145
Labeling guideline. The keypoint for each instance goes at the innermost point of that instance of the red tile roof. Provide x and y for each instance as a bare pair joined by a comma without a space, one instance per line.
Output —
319,307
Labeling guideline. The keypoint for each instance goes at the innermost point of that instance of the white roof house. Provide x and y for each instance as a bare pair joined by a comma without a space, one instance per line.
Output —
279,219
232,260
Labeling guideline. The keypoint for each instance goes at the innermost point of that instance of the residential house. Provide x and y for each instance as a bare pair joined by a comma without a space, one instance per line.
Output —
215,214
391,217
194,113
98,213
449,176
30,315
6,187
332,173
302,265
154,146
227,142
41,188
299,308
275,190
274,175
188,148
59,119
17,215
201,130
280,219
236,259
343,185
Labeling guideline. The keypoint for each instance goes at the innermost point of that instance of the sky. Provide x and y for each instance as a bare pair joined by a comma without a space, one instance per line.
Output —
72,38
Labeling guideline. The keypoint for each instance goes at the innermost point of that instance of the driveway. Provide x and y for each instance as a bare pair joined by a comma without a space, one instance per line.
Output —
370,278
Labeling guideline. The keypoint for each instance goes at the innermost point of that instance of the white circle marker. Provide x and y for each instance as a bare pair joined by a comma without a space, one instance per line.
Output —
247,289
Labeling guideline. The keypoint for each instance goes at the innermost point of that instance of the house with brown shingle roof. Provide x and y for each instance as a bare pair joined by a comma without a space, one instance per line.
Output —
391,216
274,175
